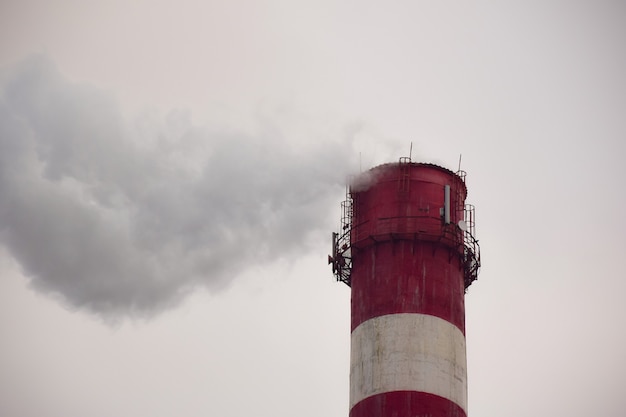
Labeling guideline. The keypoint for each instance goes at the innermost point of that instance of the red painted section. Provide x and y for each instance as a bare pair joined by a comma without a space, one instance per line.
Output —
405,259
407,277
404,201
406,404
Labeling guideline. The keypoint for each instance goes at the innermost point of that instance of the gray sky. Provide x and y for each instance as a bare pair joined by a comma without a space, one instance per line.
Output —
170,174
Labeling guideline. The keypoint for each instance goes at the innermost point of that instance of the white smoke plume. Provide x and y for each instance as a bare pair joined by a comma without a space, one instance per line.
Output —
123,218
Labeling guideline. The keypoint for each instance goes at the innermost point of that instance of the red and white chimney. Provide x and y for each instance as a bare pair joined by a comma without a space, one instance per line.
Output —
408,251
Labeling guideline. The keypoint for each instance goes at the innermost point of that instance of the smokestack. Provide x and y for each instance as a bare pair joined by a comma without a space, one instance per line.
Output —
408,251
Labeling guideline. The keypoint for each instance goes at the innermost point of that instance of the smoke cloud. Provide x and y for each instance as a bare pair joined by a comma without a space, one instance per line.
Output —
125,217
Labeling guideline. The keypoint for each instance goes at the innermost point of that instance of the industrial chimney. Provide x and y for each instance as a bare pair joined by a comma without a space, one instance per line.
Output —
408,251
